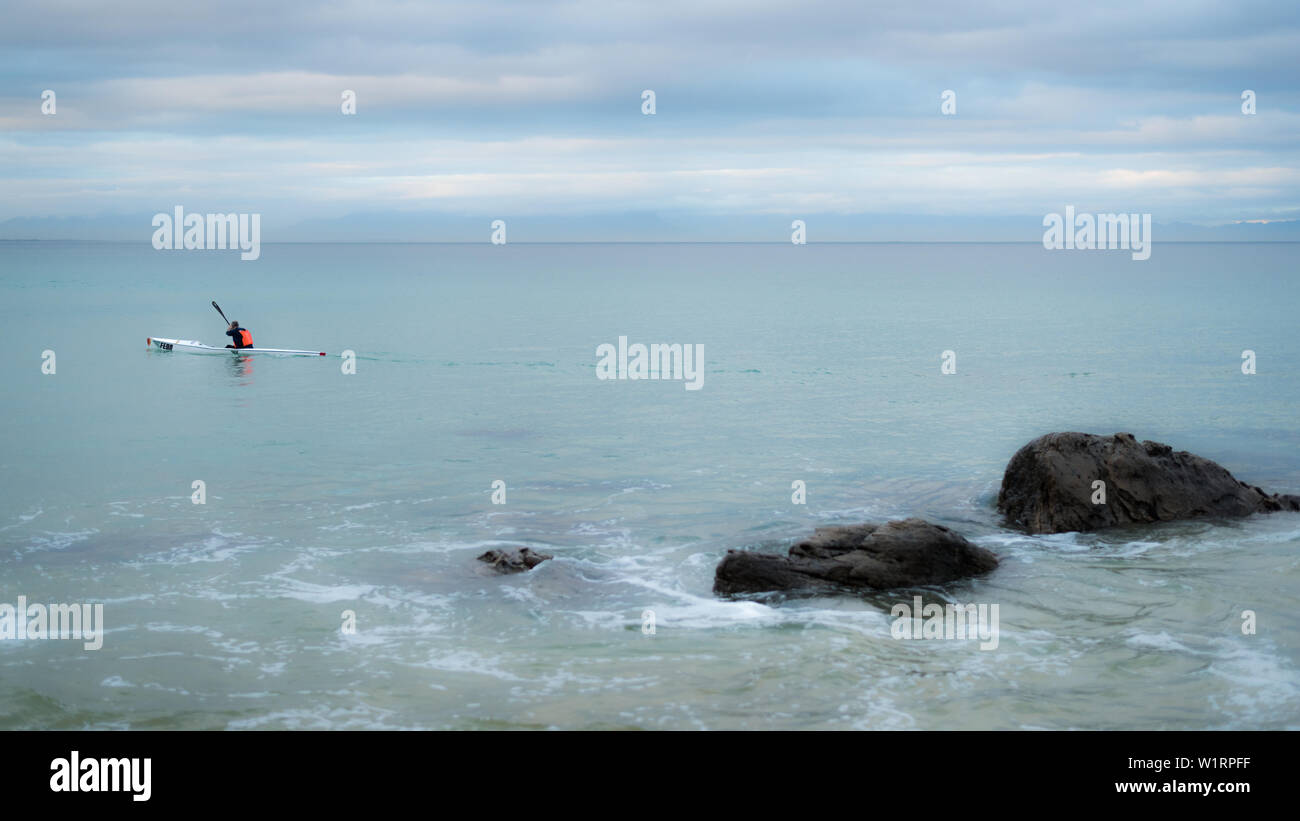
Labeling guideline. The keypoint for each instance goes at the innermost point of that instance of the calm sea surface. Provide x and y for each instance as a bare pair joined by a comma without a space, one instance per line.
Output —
372,492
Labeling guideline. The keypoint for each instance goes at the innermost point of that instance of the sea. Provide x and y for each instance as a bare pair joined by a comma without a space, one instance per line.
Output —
291,542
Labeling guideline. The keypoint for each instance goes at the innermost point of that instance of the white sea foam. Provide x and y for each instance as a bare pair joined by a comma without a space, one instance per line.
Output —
323,593
1262,680
1159,641
320,717
57,540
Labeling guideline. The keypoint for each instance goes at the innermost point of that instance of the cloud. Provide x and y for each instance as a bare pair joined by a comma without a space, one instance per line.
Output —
763,107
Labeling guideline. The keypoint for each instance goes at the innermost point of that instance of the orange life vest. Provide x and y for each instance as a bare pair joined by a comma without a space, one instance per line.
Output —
245,338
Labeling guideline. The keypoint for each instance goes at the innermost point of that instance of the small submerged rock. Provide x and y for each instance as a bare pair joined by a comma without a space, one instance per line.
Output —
515,560
904,553
1050,485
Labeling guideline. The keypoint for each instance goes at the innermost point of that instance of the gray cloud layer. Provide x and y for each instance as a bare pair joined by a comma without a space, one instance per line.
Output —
763,107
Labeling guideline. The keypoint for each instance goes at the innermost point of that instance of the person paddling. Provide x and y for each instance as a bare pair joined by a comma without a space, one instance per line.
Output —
241,336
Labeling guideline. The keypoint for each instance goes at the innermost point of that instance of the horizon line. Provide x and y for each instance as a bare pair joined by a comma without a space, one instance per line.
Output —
659,242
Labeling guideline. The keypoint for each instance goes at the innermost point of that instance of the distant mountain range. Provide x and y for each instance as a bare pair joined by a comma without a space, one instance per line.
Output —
634,227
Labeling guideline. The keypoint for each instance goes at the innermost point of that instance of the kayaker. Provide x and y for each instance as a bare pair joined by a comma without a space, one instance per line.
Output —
241,336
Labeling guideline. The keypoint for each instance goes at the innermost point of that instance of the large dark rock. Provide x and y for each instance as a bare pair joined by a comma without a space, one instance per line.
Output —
514,561
1048,485
904,553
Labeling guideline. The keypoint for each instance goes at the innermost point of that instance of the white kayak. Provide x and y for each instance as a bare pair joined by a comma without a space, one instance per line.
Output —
194,346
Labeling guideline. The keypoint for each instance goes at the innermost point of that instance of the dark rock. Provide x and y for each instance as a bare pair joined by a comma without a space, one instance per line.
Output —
1048,485
514,561
903,553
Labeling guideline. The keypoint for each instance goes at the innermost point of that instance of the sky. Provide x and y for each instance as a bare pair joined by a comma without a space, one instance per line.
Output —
764,112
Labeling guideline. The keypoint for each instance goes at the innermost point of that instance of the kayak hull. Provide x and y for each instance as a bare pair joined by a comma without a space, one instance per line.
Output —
194,346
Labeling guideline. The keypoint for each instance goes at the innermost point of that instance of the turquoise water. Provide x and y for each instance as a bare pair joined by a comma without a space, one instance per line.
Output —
372,491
